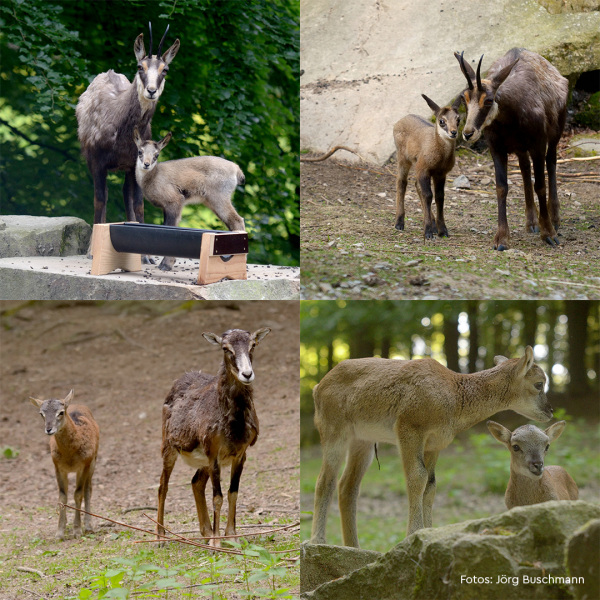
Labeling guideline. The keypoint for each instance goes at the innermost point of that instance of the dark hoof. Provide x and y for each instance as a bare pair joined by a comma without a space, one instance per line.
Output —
164,267
443,233
147,260
501,248
534,229
552,241
428,235
400,224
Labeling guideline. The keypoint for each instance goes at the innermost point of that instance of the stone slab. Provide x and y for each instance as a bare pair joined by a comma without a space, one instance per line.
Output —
23,235
68,278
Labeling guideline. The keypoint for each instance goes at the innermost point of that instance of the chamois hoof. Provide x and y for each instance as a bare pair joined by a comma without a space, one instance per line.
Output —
500,247
76,533
147,260
552,241
400,224
534,229
443,233
164,267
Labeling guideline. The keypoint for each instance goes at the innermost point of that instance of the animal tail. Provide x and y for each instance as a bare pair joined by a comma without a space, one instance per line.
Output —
241,178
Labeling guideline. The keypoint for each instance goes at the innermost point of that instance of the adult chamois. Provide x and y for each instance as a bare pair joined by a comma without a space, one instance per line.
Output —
107,113
420,406
210,421
521,107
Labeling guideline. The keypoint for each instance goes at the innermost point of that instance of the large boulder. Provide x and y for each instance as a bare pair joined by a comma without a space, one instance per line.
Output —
366,64
322,563
583,560
22,235
515,555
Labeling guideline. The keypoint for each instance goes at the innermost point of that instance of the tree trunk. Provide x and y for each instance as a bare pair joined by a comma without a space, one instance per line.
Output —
577,314
451,341
473,336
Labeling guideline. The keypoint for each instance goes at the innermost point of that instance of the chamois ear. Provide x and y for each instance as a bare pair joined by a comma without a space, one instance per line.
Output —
258,335
525,362
459,100
164,141
36,402
502,75
137,138
498,360
68,399
432,105
138,47
501,433
213,338
169,55
553,432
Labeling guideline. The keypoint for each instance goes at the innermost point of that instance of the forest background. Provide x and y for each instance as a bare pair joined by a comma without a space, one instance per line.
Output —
232,91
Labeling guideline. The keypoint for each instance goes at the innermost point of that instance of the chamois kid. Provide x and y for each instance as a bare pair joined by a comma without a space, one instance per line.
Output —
431,149
107,113
520,107
210,421
420,406
171,184
74,448
530,481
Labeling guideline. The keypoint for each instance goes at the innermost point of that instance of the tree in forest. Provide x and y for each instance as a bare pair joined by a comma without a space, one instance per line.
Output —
233,92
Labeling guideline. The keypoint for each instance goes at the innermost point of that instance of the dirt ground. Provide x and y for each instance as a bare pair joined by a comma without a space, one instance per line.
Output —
350,248
121,359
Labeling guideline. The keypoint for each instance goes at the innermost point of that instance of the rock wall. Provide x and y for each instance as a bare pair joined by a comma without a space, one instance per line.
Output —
515,555
364,65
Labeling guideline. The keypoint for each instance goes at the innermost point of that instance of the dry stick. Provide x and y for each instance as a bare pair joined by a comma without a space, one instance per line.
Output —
328,154
565,160
32,592
596,287
187,587
28,570
133,508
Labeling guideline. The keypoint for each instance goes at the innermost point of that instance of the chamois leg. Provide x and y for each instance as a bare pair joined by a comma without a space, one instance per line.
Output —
360,455
430,460
438,185
199,488
412,448
554,205
531,215
63,488
225,211
500,166
401,181
333,455
547,231
426,195
172,216
79,489
169,457
100,195
237,466
215,479
87,499
133,199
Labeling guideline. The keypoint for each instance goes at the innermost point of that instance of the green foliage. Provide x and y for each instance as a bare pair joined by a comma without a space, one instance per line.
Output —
140,578
590,115
8,452
232,91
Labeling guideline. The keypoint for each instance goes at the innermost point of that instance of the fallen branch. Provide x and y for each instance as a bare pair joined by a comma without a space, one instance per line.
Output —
328,154
134,508
28,570
32,592
565,160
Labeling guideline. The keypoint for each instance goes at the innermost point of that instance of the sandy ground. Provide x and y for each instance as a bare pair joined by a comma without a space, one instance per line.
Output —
350,248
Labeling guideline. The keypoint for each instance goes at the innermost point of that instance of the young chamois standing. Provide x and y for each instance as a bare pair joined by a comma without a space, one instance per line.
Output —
74,448
107,113
208,180
210,421
530,482
521,107
419,405
431,148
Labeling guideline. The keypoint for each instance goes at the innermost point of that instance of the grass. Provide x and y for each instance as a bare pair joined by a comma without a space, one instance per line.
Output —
466,488
108,564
